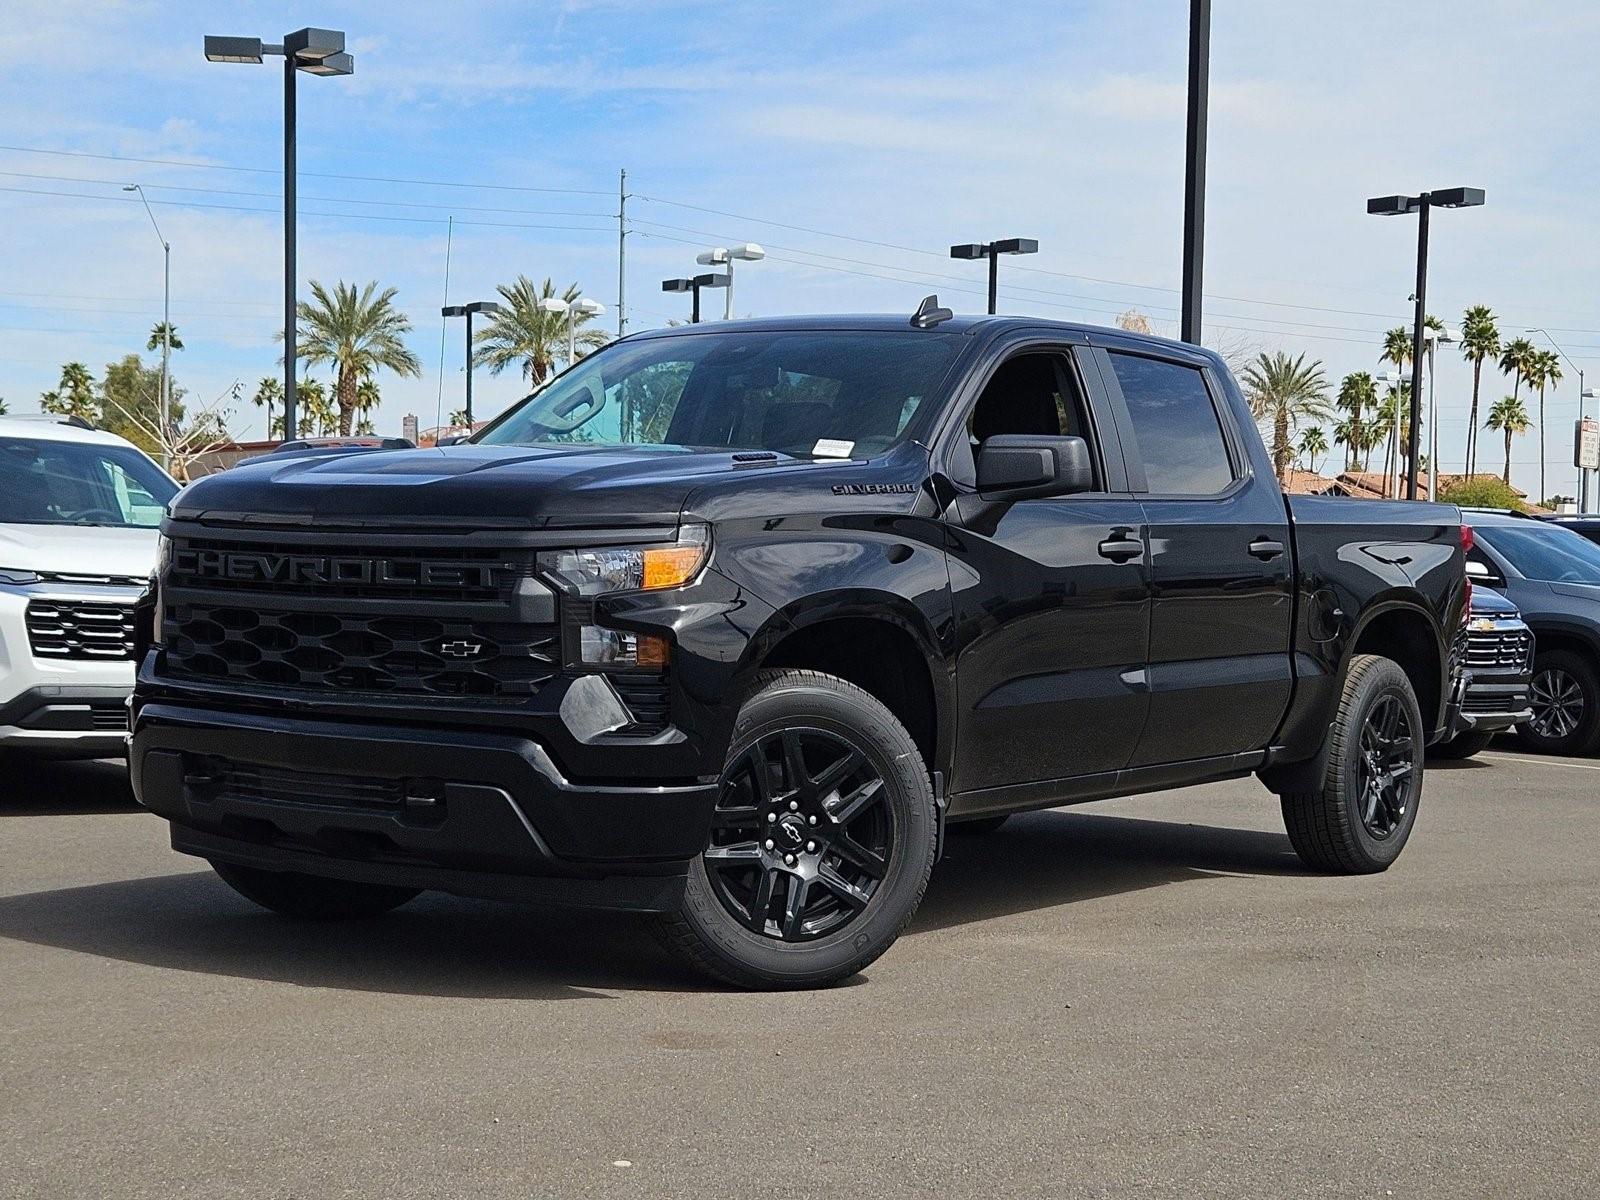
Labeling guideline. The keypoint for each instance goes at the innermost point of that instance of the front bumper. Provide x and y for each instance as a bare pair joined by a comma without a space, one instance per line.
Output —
457,810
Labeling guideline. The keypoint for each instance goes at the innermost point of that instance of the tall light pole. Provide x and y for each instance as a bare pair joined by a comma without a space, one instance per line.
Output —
992,251
166,329
1391,206
726,256
694,286
316,52
1436,337
1391,474
581,307
1583,394
468,311
1194,178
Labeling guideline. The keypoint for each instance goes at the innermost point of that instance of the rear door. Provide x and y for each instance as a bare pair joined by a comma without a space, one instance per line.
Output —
1051,594
1222,573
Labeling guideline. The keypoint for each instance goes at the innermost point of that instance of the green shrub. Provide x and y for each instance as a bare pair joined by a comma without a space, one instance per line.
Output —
1483,493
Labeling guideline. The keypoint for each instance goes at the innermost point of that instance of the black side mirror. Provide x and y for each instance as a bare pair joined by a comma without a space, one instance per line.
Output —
455,439
1018,465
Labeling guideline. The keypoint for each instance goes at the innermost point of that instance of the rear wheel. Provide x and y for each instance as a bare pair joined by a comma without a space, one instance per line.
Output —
1463,745
1358,821
1565,698
312,897
821,844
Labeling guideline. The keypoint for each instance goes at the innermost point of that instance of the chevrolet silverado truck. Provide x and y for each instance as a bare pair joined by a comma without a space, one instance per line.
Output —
728,623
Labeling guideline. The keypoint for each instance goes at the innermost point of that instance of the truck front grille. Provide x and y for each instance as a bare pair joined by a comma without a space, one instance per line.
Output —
80,629
1499,649
347,652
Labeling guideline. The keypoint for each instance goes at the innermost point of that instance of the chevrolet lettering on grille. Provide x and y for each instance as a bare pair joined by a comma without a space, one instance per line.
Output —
249,567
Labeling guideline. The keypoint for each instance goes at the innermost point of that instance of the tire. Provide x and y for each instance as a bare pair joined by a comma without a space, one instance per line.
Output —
758,917
1463,745
1330,828
1556,728
979,826
312,897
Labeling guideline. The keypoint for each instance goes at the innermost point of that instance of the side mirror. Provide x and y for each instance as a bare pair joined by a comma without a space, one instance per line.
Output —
1480,572
455,439
1016,466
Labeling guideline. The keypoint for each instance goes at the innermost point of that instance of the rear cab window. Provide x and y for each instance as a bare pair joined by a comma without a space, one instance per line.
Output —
1176,425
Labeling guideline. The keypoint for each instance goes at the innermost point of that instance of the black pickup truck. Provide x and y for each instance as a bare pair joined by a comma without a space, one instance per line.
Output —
728,623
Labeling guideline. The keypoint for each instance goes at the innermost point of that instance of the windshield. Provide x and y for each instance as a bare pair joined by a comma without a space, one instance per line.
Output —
1545,552
807,393
77,483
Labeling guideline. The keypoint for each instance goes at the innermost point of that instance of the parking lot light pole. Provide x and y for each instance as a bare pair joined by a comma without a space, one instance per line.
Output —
166,329
1436,337
581,307
316,52
467,311
726,256
693,287
992,251
1393,206
1583,394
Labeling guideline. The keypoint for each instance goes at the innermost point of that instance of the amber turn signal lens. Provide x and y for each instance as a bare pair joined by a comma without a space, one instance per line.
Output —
652,652
672,566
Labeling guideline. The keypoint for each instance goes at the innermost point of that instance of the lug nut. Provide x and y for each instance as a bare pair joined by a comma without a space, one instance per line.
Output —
811,820
794,805
811,847
788,860
771,816
767,843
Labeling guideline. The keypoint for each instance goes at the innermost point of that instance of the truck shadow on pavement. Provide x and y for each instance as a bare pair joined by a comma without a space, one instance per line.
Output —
444,946
64,787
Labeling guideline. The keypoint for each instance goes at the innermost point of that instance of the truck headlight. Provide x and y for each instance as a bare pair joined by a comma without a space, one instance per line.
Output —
607,569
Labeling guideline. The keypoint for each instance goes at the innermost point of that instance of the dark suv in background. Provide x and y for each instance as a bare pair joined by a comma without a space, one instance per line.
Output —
1552,575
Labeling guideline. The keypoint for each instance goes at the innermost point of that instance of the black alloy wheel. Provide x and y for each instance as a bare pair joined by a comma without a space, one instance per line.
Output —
1387,766
801,836
1556,698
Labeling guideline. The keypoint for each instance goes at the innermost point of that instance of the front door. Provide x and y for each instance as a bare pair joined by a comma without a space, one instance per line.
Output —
1051,597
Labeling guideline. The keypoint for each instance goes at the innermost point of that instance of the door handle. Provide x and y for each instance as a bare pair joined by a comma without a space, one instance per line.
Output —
1121,549
1266,549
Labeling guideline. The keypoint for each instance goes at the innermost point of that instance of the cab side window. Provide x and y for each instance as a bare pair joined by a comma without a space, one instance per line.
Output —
1176,424
1030,394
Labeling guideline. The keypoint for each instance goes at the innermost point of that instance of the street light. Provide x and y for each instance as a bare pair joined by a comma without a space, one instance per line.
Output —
726,256
582,306
166,327
1391,475
694,286
1391,206
467,311
1583,394
992,251
316,52
1439,337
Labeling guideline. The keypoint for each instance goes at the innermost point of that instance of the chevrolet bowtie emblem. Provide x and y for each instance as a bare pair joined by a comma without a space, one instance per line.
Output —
461,649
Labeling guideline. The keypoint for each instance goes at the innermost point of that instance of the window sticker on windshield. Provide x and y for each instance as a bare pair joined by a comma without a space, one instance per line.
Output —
832,448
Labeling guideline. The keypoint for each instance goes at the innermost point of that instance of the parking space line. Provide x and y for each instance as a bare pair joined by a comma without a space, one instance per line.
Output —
1544,762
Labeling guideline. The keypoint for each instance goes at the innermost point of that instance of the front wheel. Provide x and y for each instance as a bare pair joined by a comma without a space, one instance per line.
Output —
821,843
311,897
1358,821
1565,698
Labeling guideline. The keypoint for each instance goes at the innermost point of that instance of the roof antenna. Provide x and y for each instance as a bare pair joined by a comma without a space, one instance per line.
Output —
929,313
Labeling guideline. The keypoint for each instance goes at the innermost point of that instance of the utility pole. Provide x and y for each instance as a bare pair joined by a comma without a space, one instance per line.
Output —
622,252
1194,187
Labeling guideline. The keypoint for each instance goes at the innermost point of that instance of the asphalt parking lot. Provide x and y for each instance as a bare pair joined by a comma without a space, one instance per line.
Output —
1101,1001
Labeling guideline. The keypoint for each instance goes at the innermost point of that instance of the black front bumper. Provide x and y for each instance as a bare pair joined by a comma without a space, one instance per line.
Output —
1492,702
454,810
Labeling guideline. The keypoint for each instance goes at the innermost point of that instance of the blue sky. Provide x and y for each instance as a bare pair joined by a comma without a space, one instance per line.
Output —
905,126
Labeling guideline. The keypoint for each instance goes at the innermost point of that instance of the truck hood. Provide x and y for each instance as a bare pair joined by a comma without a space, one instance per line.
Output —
468,486
79,549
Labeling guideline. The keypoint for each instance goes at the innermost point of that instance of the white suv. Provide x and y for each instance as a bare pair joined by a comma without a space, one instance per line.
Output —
78,515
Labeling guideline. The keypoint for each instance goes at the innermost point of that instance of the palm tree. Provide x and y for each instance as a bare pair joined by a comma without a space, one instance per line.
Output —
1312,443
317,414
1510,417
1480,339
1543,371
1356,394
269,395
155,336
367,399
74,395
1397,348
359,333
1515,359
523,335
1285,391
